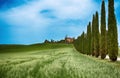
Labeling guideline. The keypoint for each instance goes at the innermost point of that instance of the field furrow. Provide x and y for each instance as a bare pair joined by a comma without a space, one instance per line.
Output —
56,63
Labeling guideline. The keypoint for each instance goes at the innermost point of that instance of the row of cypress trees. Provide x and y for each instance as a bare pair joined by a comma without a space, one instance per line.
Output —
100,42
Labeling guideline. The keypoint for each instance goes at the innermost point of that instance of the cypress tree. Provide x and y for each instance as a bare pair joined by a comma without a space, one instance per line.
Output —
93,36
96,35
85,44
107,42
112,32
77,44
82,41
103,31
80,44
89,39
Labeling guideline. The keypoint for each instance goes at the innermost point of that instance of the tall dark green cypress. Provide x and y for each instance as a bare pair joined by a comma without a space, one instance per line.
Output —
107,42
96,35
89,39
85,44
76,44
82,41
103,32
93,35
112,32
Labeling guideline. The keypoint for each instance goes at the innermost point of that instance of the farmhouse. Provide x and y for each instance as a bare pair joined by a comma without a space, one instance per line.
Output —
69,39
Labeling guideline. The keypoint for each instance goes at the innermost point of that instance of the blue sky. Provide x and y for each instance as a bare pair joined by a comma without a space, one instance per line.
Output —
33,21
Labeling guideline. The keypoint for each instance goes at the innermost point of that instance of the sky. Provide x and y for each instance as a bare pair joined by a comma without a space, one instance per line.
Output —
33,21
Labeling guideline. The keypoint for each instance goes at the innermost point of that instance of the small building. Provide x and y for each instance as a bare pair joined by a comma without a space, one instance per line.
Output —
69,39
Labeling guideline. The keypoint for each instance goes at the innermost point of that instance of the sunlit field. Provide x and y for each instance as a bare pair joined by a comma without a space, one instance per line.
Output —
58,62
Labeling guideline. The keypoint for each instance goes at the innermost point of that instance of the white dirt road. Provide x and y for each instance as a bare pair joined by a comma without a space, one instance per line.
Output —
118,59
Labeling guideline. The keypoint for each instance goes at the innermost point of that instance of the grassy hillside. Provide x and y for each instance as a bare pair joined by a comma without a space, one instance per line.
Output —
33,47
63,62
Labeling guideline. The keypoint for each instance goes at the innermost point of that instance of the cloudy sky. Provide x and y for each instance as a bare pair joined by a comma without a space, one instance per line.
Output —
33,21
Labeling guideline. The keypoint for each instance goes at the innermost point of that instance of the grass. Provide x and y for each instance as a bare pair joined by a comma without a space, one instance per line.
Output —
33,47
63,62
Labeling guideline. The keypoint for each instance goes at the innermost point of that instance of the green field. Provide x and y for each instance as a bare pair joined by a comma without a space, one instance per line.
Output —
56,61
33,47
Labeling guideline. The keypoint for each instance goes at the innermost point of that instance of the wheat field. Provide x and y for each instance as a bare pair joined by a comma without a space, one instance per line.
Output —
63,62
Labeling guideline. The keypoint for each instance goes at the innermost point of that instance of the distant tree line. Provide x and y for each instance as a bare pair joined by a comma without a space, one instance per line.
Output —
53,41
66,40
100,40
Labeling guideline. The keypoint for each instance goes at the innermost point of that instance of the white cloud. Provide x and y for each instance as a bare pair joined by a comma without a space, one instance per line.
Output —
72,8
26,15
63,9
26,19
29,15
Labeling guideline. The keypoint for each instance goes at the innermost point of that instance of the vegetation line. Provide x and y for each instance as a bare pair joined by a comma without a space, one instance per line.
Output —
100,43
